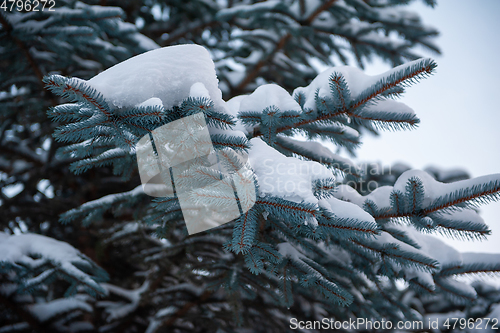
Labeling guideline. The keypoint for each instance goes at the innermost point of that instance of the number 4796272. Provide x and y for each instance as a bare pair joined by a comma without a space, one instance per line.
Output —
27,5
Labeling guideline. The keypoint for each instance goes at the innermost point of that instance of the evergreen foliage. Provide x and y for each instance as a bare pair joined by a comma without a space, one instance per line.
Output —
327,249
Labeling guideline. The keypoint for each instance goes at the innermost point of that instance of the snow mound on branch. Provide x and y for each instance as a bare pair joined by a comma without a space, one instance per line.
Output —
269,95
356,80
434,189
32,251
345,210
167,73
198,90
380,196
45,311
17,248
153,101
233,106
285,177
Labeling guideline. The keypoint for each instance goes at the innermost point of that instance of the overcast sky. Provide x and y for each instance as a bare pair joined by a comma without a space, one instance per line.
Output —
458,107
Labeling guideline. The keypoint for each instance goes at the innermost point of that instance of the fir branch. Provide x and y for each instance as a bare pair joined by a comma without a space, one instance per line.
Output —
33,64
392,250
414,72
418,70
184,310
319,10
250,76
458,294
469,269
286,205
415,283
76,89
473,195
244,233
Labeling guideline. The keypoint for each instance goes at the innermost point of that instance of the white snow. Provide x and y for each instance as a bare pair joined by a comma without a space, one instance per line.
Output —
45,311
434,189
349,131
233,106
167,73
269,95
288,250
356,79
254,57
433,247
166,311
11,191
117,310
17,248
20,249
448,173
487,258
390,106
324,153
357,82
198,90
345,210
153,101
468,215
285,177
380,196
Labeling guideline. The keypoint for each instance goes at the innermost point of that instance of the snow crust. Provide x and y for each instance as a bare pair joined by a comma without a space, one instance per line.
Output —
380,196
167,73
24,249
17,248
357,82
356,79
153,101
198,90
233,107
285,177
434,189
345,210
269,95
390,106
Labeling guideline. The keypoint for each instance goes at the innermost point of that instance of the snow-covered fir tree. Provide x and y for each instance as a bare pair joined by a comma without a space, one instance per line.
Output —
85,249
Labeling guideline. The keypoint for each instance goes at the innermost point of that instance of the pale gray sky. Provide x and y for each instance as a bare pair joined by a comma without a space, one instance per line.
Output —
458,106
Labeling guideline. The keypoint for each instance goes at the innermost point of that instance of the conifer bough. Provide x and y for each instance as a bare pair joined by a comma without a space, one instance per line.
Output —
307,234
311,247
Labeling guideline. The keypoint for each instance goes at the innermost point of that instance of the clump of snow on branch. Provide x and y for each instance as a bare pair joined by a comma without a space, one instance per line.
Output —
31,251
285,177
167,73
